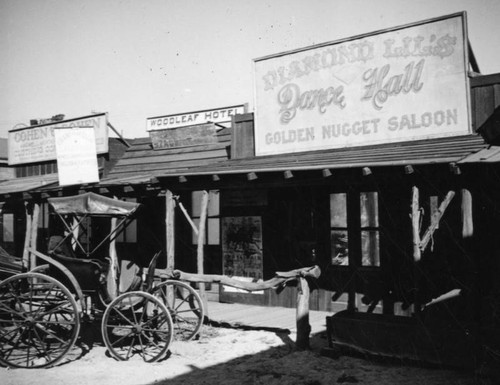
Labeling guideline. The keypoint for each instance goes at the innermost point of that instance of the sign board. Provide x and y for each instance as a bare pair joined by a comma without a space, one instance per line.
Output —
402,84
76,155
219,115
37,143
183,136
242,249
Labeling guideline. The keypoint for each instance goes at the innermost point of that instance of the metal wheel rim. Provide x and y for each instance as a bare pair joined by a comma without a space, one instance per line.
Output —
137,323
185,307
39,321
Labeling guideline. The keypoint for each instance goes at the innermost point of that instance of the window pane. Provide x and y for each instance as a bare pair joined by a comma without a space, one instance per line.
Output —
370,248
213,203
213,231
338,210
369,209
196,203
8,227
340,251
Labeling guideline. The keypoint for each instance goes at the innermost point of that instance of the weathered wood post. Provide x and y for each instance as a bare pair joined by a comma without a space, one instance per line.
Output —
170,236
27,237
112,281
34,232
467,218
201,243
303,326
415,224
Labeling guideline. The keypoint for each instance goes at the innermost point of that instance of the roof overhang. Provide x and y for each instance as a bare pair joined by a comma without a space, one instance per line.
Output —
425,152
20,185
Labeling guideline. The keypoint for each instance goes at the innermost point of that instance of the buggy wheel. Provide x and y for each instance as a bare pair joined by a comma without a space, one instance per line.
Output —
137,323
39,321
185,307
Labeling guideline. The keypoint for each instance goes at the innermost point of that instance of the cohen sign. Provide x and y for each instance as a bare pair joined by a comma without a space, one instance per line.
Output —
37,143
402,84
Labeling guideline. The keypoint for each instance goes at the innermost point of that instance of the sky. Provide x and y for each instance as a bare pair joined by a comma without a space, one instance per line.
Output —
136,59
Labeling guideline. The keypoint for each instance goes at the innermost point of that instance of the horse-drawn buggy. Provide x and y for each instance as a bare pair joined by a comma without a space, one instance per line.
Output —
43,306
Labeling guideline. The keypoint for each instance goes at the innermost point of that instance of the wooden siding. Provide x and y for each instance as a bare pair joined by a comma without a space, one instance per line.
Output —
141,158
485,97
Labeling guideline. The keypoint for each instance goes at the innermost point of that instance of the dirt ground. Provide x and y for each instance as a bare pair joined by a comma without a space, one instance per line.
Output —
234,356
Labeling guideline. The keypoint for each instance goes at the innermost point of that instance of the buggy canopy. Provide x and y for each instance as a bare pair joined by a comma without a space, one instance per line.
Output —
93,204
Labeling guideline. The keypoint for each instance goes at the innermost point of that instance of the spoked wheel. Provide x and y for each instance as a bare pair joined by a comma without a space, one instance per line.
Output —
137,323
185,307
39,321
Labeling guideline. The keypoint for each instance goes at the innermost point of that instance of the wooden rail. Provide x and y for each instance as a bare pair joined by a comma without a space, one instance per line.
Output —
278,282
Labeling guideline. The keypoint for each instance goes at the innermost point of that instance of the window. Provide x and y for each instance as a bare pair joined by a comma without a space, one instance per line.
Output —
129,235
338,229
36,169
370,255
8,228
341,226
212,235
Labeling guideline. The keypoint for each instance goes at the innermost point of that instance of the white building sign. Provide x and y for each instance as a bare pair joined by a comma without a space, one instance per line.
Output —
37,143
219,115
76,155
401,84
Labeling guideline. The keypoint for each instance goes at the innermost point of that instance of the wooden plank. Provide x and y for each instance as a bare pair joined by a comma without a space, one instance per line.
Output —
435,220
496,89
242,145
156,158
170,166
484,80
484,104
148,151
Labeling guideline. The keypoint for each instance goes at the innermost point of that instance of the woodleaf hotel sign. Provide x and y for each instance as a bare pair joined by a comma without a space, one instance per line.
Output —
191,128
402,84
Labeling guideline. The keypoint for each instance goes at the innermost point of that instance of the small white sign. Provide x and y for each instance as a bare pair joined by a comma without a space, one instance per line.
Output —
76,155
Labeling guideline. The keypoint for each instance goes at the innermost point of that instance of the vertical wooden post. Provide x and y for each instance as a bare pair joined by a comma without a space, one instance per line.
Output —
415,224
34,233
170,229
112,281
201,243
467,221
27,237
303,326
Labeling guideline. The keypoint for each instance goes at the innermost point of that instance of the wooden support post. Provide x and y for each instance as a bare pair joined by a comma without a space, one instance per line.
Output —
27,238
303,326
170,229
201,243
34,233
112,281
188,218
435,220
467,220
415,224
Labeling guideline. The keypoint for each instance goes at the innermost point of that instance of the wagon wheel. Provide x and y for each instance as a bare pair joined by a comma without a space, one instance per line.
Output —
185,306
137,323
39,321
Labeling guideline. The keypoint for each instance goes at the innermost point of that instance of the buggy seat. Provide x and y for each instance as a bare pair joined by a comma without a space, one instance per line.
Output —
89,273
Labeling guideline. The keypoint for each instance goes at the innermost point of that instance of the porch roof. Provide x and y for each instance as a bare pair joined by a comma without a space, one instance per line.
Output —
458,149
20,185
